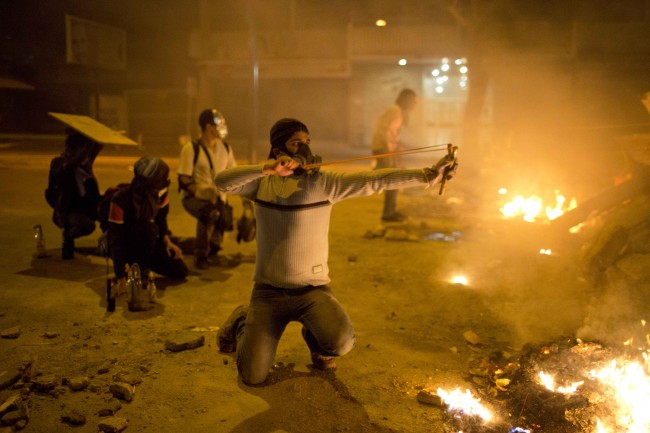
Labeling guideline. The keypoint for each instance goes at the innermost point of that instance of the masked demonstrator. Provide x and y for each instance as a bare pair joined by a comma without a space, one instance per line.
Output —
293,208
137,224
200,162
73,191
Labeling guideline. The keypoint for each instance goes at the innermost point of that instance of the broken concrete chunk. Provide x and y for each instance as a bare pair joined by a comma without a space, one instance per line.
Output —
8,378
112,424
78,383
12,403
73,417
110,409
11,418
428,397
45,382
128,377
123,391
471,337
184,341
11,333
50,335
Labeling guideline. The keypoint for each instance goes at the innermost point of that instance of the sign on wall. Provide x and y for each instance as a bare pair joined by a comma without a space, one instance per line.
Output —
94,45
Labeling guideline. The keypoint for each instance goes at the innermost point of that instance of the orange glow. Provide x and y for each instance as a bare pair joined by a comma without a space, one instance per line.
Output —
533,208
464,402
548,381
459,279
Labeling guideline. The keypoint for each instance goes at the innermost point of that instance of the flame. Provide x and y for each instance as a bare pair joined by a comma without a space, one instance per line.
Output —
629,384
548,381
459,279
533,207
465,402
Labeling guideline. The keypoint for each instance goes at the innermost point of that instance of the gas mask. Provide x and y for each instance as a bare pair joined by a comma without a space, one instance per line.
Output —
304,156
220,123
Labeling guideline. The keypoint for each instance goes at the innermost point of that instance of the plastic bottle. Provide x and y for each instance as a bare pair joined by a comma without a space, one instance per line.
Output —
151,287
41,252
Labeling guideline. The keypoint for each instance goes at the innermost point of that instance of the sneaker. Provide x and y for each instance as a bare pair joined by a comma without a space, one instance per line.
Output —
320,362
227,335
201,262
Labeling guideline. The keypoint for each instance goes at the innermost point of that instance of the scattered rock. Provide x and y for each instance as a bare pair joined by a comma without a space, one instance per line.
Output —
10,404
110,409
73,417
184,341
12,417
471,337
128,377
453,349
50,335
11,333
427,397
112,424
123,391
78,383
8,378
45,382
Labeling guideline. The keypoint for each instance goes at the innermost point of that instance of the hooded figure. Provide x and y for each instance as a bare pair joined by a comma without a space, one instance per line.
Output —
137,223
73,191
280,132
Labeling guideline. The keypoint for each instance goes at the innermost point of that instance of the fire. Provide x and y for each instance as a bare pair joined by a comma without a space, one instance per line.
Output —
629,385
533,207
465,403
548,381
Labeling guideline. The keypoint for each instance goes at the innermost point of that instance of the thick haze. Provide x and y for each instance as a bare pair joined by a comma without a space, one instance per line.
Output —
558,103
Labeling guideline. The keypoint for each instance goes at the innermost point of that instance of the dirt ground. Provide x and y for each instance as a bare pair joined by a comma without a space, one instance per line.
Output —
409,318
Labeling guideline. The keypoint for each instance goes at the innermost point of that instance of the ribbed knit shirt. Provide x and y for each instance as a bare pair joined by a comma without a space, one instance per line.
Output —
293,215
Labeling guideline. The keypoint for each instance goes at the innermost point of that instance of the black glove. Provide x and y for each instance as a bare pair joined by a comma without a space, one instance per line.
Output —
446,167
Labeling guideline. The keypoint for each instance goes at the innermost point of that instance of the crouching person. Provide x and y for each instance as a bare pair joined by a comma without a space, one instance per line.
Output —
72,191
137,225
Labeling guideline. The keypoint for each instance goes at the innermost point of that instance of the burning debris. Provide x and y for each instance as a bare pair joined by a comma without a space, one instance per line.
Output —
535,208
569,386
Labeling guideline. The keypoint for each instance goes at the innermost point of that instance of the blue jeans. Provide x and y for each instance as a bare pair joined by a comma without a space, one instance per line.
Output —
329,329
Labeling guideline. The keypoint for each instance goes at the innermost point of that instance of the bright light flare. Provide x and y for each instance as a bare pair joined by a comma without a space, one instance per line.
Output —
629,385
381,23
402,62
548,381
459,279
465,402
545,251
533,207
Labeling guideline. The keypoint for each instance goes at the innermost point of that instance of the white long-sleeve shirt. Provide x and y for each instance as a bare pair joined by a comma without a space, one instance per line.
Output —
293,215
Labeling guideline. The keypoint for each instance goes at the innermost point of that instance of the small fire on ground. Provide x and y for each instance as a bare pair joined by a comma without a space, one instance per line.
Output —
535,208
570,386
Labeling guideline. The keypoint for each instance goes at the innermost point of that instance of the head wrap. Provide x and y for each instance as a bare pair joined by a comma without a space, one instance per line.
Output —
151,175
282,131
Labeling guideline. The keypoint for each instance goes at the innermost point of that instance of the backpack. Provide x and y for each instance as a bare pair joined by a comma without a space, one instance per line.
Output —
197,146
104,206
